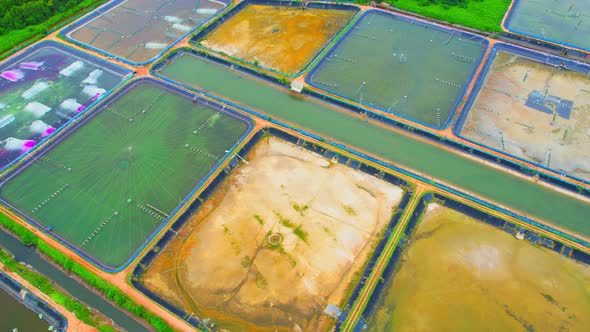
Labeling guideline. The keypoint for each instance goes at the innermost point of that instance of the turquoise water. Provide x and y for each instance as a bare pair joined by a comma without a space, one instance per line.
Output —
111,183
421,77
496,185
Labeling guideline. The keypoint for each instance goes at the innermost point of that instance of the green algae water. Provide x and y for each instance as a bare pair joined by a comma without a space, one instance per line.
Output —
14,315
493,184
421,77
111,183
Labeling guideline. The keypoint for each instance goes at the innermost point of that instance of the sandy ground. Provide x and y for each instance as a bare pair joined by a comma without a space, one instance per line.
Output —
500,111
280,38
226,266
481,278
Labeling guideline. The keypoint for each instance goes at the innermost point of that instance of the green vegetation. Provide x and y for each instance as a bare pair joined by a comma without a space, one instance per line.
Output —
549,298
260,280
284,221
300,208
484,15
109,291
22,20
297,230
44,285
282,252
284,81
259,219
300,233
246,261
349,210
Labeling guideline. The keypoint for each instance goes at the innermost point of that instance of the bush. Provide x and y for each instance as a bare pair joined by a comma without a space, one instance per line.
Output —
484,15
30,20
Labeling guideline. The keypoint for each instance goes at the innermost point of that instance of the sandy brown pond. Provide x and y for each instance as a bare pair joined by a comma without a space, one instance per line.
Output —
280,239
459,274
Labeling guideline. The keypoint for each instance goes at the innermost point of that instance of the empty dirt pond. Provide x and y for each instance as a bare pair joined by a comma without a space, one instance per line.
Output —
280,239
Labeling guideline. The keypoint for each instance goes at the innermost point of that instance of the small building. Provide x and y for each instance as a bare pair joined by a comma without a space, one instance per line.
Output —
333,311
297,86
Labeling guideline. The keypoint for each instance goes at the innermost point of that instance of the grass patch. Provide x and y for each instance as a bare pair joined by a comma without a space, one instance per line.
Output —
485,15
261,280
259,219
297,230
300,233
349,210
284,221
300,208
37,28
282,251
549,298
246,262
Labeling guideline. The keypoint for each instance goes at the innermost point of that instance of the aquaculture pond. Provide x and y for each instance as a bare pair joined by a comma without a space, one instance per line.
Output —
402,66
531,199
535,107
44,88
481,278
562,22
16,317
106,187
279,36
139,30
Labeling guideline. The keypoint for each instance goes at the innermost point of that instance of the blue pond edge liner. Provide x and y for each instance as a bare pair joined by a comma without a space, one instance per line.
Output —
285,3
33,303
174,89
510,16
65,33
124,73
472,212
548,178
481,79
459,33
150,256
544,45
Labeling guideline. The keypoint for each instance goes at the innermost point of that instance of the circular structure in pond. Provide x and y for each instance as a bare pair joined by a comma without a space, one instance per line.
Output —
274,239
